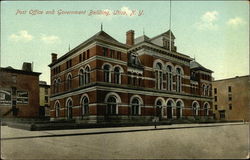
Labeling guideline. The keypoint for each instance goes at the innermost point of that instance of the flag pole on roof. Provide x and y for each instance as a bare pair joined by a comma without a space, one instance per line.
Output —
170,26
101,27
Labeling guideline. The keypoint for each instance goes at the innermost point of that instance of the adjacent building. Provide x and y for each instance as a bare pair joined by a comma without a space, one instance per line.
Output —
19,92
44,91
103,79
232,98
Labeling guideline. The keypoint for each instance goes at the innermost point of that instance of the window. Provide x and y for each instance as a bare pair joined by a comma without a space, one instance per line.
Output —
206,109
159,76
119,55
81,77
203,89
135,107
69,81
105,51
57,110
87,75
215,90
215,98
69,108
80,57
222,114
117,75
179,106
69,64
229,89
215,107
178,80
106,73
230,97
230,106
169,78
111,106
112,53
195,107
88,54
85,106
83,56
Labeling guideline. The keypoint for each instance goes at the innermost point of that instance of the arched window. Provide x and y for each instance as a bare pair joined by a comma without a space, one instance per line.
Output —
179,106
81,77
85,105
170,105
69,81
69,106
159,109
169,78
195,107
135,106
178,80
206,109
111,105
159,76
57,109
106,69
117,75
87,75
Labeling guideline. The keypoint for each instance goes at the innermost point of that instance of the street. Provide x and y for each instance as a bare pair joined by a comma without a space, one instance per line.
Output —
166,142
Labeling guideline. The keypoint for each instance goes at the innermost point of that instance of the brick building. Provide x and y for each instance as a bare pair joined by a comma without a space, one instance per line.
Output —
44,93
19,92
232,98
103,80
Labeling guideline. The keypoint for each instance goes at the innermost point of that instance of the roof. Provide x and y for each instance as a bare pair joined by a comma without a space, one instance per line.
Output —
141,39
196,66
232,78
164,34
11,70
101,36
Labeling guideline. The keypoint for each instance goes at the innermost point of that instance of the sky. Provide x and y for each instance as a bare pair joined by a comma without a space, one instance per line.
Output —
215,33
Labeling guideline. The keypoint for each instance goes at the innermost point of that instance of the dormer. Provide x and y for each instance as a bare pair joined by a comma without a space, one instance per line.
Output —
163,40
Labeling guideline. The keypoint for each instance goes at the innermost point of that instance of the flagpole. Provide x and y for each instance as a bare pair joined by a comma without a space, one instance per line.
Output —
170,26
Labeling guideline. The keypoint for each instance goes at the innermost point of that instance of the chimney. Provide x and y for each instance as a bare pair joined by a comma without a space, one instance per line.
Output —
27,67
54,57
130,37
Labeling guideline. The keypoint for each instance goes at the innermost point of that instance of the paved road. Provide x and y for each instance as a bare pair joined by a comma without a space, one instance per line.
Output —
166,142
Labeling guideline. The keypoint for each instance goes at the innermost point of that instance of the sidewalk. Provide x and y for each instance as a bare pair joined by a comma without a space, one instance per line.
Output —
6,134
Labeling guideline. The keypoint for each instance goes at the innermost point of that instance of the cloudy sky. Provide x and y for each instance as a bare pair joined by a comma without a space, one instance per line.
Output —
215,33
